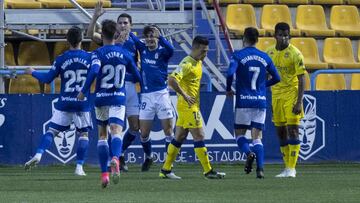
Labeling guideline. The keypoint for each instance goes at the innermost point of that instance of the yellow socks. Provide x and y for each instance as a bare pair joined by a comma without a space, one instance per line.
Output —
201,153
285,153
172,152
293,155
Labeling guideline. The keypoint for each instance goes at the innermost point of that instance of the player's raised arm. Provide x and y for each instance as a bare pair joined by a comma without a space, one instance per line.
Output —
44,77
91,31
138,43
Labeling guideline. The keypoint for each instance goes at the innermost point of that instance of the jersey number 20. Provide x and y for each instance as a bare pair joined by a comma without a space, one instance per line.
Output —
116,73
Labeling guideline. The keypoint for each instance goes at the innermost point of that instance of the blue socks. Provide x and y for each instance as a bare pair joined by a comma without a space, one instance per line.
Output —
103,152
129,137
258,149
243,144
45,142
146,144
81,150
116,145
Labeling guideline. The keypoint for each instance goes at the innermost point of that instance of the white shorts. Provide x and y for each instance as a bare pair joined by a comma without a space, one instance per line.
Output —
158,103
247,118
61,120
132,99
110,114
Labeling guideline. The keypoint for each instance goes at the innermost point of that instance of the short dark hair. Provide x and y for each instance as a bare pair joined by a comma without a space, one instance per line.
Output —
125,15
251,35
200,40
282,26
74,36
148,29
108,29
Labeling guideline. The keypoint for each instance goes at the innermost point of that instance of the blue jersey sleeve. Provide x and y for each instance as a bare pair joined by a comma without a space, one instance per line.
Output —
138,43
49,76
275,77
94,69
230,73
168,47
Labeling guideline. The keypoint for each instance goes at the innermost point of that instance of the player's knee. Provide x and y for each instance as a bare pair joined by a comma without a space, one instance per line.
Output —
115,129
144,138
83,134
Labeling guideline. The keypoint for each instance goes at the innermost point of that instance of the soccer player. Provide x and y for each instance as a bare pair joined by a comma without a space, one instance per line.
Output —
287,106
124,40
155,98
109,64
72,66
185,80
251,67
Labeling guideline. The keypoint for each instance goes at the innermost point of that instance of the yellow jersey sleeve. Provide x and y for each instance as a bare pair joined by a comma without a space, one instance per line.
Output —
180,71
299,64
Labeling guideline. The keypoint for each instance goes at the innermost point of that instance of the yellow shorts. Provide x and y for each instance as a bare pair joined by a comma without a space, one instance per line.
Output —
282,114
189,119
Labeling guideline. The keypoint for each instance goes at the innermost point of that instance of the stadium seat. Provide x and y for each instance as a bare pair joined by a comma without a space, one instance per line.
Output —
33,53
330,82
273,14
327,2
355,81
265,42
27,4
9,55
310,19
338,53
56,3
258,1
309,49
352,2
92,3
24,84
345,21
226,1
292,2
60,47
241,16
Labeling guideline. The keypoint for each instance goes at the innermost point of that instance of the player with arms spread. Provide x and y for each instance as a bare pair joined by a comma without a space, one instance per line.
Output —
251,67
287,105
185,80
109,64
72,66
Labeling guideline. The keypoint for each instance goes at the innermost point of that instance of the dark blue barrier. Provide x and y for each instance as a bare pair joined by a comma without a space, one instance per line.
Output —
329,132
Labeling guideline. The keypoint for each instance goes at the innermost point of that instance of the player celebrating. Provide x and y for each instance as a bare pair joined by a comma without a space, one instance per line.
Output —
155,98
124,40
287,96
72,66
109,64
251,66
185,80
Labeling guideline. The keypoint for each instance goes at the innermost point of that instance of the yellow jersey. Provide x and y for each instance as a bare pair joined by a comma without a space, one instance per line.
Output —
188,75
289,62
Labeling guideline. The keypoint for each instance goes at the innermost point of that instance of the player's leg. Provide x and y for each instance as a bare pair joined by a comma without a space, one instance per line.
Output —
292,125
146,117
173,150
116,124
165,113
241,125
83,124
145,128
102,118
60,121
279,120
132,114
257,126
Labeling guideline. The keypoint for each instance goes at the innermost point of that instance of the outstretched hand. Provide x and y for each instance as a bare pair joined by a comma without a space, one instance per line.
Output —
99,10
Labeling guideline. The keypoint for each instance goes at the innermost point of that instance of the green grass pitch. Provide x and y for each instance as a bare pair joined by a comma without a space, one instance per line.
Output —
314,183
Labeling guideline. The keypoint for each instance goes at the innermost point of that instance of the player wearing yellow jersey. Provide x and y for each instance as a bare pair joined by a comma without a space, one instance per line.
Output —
185,80
287,96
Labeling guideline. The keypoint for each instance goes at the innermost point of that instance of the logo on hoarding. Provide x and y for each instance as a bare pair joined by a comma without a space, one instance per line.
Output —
311,130
64,142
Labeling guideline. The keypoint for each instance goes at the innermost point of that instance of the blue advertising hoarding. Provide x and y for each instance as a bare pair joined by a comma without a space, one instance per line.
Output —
328,132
